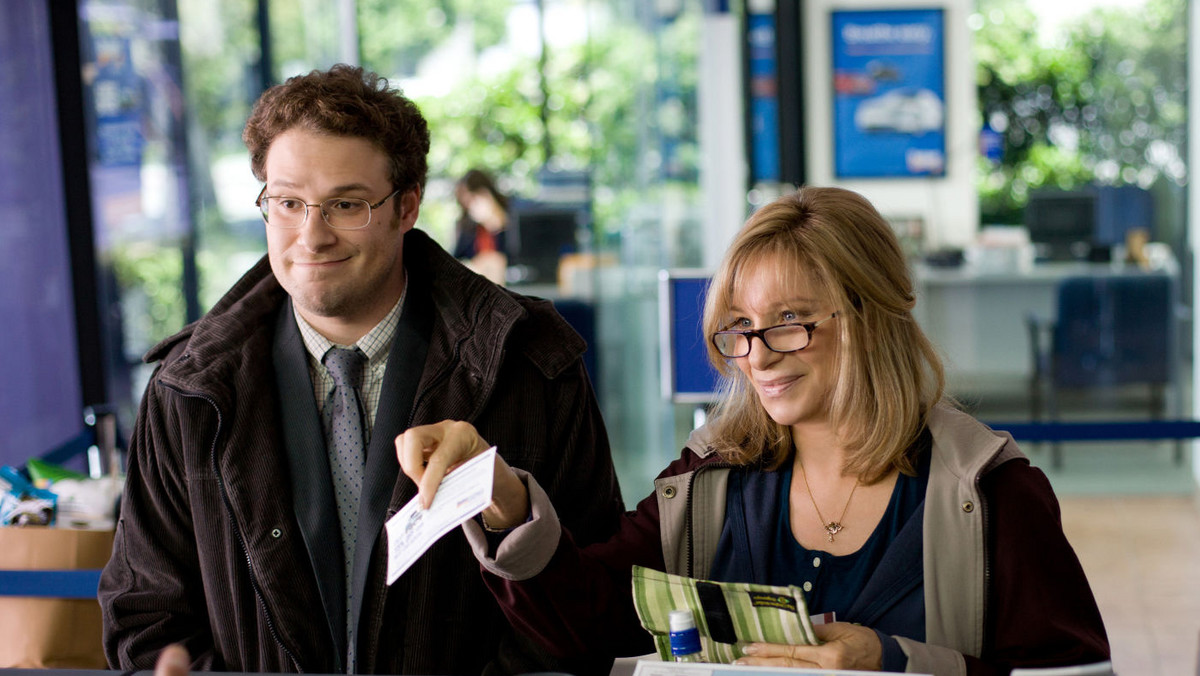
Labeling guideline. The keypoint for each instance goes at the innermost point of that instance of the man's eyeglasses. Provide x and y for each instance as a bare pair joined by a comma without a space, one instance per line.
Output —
340,213
781,338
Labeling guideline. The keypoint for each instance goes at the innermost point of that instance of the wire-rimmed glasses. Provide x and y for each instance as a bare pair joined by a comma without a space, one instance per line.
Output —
782,338
339,213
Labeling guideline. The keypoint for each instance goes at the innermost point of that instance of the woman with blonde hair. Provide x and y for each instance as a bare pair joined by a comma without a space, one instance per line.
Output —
831,462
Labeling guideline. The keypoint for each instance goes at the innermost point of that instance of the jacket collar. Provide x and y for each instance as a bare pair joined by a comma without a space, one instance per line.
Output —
199,358
477,316
967,448
700,441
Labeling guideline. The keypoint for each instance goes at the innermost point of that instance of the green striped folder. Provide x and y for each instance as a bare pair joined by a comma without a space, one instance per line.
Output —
728,614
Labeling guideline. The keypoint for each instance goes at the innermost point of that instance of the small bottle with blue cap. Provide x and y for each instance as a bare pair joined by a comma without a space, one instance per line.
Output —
685,638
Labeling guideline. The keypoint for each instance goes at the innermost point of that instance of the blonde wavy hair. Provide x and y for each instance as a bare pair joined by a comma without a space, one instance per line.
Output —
889,374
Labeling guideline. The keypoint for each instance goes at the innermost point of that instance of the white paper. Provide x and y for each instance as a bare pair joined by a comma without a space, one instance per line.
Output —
655,668
463,493
1096,669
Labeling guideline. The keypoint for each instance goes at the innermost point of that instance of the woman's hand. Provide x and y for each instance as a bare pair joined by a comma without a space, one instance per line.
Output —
173,661
490,264
846,646
429,452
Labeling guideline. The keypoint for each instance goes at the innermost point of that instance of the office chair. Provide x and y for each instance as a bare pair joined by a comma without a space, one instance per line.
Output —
1111,331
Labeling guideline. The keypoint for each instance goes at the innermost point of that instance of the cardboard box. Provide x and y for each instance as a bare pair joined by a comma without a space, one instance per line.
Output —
49,632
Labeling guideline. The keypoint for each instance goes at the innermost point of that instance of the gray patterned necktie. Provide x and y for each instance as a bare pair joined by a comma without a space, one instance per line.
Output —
345,441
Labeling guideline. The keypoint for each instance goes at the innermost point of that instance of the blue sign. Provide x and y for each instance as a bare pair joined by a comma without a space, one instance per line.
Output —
889,99
991,144
764,98
687,376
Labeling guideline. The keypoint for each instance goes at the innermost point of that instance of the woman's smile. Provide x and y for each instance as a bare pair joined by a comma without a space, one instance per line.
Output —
776,387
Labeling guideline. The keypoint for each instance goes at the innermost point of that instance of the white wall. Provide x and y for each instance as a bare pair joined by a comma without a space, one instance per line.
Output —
948,205
723,157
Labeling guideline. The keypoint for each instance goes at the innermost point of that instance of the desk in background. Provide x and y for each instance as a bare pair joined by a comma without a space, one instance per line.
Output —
976,317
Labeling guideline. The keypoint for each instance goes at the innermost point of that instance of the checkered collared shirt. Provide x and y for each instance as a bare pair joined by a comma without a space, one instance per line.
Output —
377,344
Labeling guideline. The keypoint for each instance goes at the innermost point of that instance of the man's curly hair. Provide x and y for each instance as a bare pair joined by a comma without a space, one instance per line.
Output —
344,101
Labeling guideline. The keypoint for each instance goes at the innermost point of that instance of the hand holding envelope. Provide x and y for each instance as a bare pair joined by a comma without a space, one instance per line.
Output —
460,496
458,475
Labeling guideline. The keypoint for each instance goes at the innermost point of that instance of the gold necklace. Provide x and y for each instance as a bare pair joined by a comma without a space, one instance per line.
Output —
832,528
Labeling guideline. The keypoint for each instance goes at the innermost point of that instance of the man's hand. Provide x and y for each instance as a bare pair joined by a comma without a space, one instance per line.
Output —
846,646
173,661
427,453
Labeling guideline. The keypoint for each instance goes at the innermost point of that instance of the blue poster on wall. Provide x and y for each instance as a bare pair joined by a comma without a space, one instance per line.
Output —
764,98
889,98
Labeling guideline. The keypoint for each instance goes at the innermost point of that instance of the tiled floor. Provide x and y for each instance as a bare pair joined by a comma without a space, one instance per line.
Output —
1142,557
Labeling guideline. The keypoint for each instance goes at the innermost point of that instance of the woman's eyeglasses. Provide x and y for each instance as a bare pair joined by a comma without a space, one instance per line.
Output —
782,338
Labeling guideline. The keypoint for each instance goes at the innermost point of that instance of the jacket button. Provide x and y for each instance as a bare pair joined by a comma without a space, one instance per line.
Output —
968,507
669,492
276,533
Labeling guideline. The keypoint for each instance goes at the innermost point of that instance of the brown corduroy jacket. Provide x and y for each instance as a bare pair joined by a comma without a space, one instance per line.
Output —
210,551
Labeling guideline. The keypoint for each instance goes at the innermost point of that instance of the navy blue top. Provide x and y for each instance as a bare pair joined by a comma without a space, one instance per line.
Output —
880,586
834,582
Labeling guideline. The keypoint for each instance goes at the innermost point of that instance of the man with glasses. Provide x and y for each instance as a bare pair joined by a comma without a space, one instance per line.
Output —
263,463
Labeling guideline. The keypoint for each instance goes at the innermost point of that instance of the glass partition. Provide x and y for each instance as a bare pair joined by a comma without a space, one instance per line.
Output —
136,116
223,65
587,110
1082,177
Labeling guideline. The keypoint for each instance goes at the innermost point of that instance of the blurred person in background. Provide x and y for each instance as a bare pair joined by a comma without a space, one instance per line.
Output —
481,232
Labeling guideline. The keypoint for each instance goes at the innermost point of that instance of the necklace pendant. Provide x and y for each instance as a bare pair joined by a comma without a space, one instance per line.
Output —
833,528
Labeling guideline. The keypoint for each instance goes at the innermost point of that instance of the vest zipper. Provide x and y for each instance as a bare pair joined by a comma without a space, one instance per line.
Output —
987,560
262,602
691,535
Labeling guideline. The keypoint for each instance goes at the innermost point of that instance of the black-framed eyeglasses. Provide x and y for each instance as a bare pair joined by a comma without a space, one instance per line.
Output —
782,338
339,213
